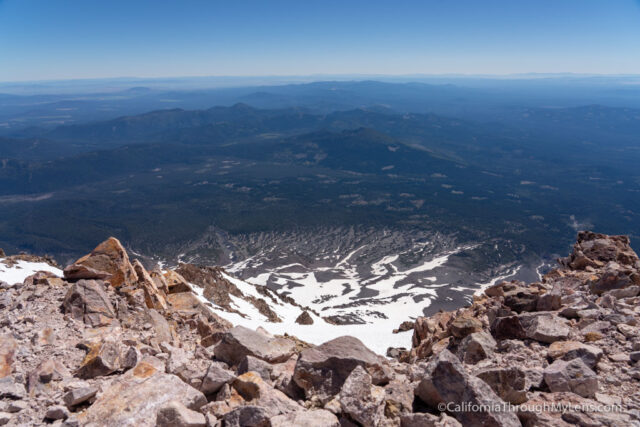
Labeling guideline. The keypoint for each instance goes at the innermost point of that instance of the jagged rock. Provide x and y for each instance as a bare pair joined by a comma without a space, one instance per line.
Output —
57,412
573,376
247,416
428,420
162,329
14,407
551,300
188,369
521,299
574,304
104,358
544,327
360,399
262,368
398,398
8,347
76,396
240,342
255,391
404,327
175,282
175,414
153,297
321,371
108,261
629,292
595,250
567,350
304,318
428,330
462,326
508,327
86,300
476,347
134,398
215,378
444,380
11,389
312,418
614,277
509,383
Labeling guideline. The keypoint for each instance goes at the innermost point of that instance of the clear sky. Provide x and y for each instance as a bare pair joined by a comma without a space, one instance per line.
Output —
63,39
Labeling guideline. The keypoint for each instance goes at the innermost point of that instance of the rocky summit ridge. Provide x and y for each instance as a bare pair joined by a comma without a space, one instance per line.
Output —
108,342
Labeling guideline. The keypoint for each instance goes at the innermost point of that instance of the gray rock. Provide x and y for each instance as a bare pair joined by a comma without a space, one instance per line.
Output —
321,371
568,350
445,380
57,412
175,414
398,398
628,292
573,376
551,300
215,378
428,420
544,327
508,327
311,418
16,406
240,342
509,383
476,347
76,396
250,363
86,300
255,391
4,418
363,401
247,416
11,389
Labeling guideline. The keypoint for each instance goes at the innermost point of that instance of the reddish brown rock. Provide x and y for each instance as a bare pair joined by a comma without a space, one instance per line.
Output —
108,261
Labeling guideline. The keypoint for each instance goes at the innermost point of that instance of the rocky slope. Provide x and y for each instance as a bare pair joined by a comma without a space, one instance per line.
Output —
107,342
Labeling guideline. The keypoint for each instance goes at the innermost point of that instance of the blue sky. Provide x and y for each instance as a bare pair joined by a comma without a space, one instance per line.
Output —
63,39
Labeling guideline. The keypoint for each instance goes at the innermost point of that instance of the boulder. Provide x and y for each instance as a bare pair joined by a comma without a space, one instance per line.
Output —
321,371
239,342
304,318
551,300
86,300
108,261
78,395
153,297
573,376
476,347
104,358
134,398
247,416
595,250
398,398
428,420
11,389
255,391
188,369
544,327
567,350
176,283
262,368
361,400
311,418
444,380
56,412
175,414
614,278
521,299
509,383
215,378
508,327
462,326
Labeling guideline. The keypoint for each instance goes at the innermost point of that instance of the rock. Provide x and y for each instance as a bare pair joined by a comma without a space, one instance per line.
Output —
464,325
628,331
509,383
104,358
134,398
247,416
404,327
550,301
240,342
444,380
634,356
428,420
360,399
321,371
521,299
153,297
76,396
476,347
108,261
176,283
629,292
10,389
546,328
574,304
255,391
508,327
16,406
312,418
304,318
262,368
398,398
5,418
86,300
215,378
573,376
595,250
175,414
57,413
613,278
567,350
188,369
8,347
